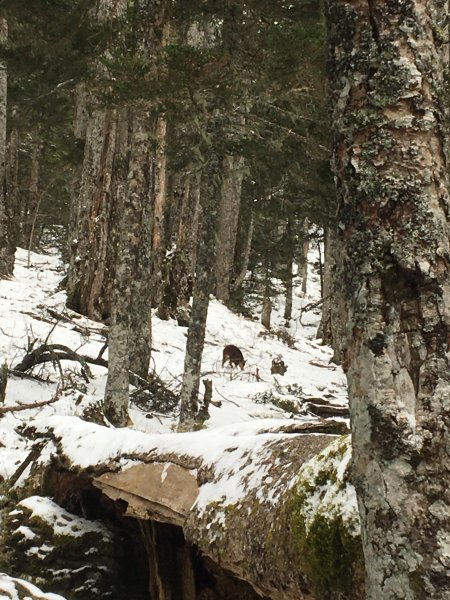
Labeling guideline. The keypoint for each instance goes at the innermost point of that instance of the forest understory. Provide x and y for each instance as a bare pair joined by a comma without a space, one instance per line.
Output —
250,410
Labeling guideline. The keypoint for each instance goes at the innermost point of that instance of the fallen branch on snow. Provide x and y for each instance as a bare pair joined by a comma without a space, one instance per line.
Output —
22,407
56,353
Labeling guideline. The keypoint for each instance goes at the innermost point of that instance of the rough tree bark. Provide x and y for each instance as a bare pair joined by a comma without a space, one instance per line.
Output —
227,224
115,403
130,331
334,314
179,269
90,270
158,241
387,66
89,240
129,340
7,248
203,287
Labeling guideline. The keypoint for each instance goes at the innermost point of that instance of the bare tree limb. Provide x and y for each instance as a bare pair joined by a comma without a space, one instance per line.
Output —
22,407
31,457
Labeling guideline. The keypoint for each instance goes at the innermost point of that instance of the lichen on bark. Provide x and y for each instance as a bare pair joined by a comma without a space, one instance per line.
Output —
387,63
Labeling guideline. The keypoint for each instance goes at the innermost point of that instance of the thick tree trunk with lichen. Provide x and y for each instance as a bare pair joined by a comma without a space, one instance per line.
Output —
7,247
203,286
227,224
129,340
130,331
387,67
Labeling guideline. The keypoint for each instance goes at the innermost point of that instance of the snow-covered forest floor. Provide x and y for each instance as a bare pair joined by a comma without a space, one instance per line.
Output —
245,401
30,305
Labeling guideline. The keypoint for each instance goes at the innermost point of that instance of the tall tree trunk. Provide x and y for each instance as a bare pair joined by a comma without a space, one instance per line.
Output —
325,331
7,248
243,249
227,225
289,275
129,340
303,259
90,272
159,238
203,286
388,63
179,272
130,331
332,327
89,242
266,311
115,404
13,208
30,209
141,195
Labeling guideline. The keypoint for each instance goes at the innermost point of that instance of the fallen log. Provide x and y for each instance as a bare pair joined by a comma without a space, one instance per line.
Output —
273,506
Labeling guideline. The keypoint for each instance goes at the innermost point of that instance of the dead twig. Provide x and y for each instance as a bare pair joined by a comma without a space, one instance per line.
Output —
32,376
308,307
226,399
30,458
21,407
315,363
77,326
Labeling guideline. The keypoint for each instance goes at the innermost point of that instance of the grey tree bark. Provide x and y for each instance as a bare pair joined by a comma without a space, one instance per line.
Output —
388,61
129,340
203,287
227,224
159,221
115,403
130,332
7,247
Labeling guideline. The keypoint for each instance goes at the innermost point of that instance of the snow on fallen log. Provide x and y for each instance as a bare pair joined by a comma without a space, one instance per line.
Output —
275,508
